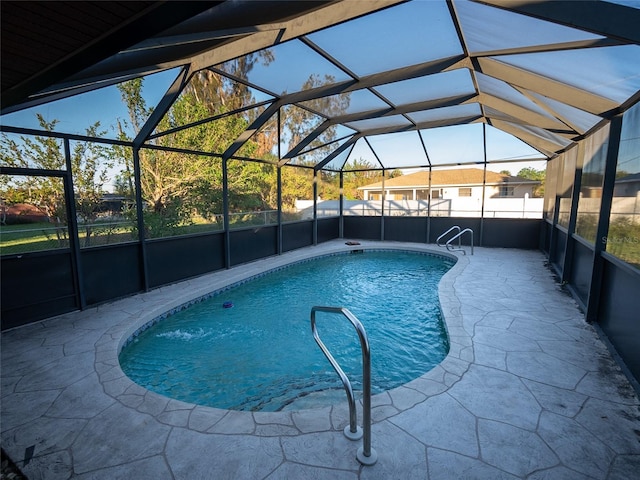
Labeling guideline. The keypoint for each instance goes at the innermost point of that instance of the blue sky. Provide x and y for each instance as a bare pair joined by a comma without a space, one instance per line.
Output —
76,113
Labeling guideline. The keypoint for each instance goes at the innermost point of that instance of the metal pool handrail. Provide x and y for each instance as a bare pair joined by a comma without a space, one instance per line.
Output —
455,227
459,236
365,455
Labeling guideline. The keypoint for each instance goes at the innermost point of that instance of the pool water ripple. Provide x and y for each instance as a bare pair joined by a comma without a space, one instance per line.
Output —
260,354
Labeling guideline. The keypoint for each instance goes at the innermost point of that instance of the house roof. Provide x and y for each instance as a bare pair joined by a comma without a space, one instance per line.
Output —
453,177
634,177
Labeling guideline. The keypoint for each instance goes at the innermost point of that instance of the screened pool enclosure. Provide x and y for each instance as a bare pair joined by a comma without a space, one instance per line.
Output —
145,143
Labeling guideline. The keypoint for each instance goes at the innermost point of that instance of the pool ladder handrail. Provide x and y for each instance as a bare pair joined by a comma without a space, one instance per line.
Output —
455,227
457,236
366,455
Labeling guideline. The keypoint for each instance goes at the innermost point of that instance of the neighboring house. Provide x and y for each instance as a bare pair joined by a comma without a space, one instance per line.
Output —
626,199
21,213
451,184
453,193
113,204
627,186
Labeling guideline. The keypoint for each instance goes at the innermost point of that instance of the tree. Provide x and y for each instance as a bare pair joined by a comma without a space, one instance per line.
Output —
44,192
533,174
297,122
297,184
178,188
221,94
358,173
122,185
328,185
89,167
90,164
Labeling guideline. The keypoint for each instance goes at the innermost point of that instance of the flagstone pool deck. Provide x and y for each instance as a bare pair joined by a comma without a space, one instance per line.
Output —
528,390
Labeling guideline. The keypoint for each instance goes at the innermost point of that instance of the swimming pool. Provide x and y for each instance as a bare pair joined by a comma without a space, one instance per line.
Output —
260,354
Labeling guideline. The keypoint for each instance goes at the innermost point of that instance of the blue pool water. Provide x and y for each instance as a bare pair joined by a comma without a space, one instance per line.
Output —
259,355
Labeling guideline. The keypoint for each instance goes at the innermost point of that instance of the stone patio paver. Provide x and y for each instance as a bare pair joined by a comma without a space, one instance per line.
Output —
527,390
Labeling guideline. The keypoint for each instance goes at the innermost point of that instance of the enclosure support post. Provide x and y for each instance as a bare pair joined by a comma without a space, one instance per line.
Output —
573,217
554,221
225,214
72,227
484,183
341,224
608,184
384,197
279,187
429,207
315,207
140,218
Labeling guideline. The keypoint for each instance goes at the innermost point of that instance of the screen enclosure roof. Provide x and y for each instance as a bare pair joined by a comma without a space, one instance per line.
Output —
396,82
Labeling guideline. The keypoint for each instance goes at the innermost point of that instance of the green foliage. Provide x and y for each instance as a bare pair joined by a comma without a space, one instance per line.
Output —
358,173
533,174
90,163
587,225
165,222
328,185
179,189
623,240
298,122
122,185
213,111
182,192
297,184
46,193
131,93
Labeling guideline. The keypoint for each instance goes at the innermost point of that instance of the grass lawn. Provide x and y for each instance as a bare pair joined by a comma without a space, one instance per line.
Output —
34,237
31,237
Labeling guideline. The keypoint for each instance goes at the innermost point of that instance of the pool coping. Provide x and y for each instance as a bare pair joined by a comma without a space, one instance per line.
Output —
173,297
